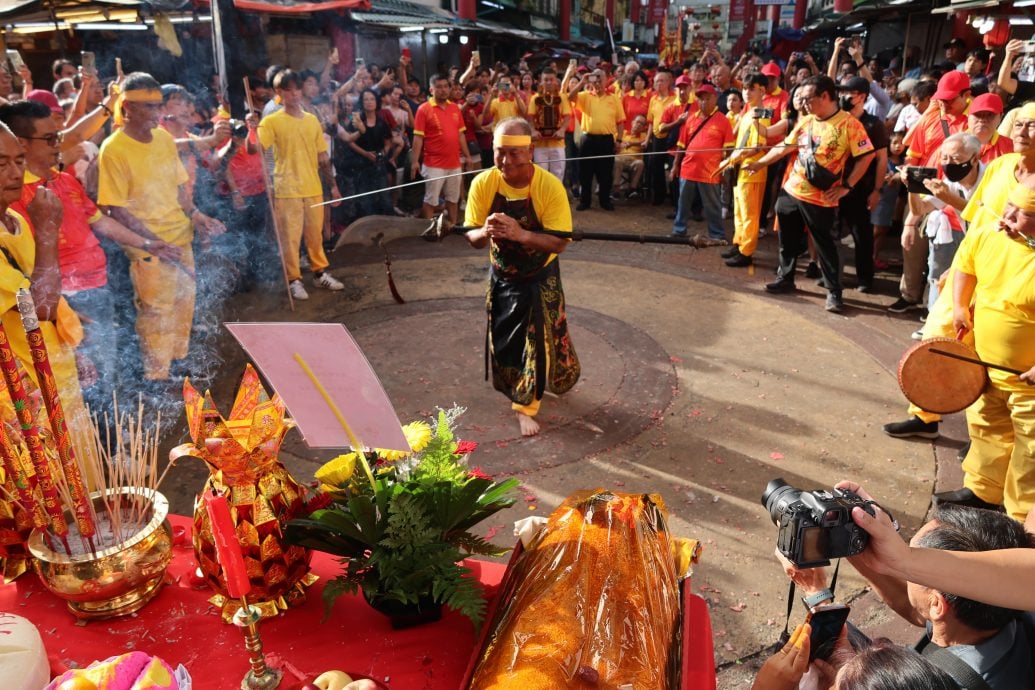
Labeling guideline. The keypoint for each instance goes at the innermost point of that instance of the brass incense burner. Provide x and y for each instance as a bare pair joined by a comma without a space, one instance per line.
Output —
114,581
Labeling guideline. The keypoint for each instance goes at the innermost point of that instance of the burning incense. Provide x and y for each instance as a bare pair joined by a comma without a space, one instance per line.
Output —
20,479
82,507
20,399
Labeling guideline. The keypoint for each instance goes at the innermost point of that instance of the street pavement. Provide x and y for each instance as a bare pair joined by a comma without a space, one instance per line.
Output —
696,385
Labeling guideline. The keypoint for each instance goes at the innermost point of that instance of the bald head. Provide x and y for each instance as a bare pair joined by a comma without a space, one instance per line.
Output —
513,125
12,168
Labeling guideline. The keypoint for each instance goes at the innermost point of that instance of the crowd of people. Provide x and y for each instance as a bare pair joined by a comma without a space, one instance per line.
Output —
150,206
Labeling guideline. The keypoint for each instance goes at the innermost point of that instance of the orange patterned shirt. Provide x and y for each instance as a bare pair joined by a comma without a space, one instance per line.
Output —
835,139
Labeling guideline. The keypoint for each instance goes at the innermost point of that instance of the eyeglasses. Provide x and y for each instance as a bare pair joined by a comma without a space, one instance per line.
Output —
52,139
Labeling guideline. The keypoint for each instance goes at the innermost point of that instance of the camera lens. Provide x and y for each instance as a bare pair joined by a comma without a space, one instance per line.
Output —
777,496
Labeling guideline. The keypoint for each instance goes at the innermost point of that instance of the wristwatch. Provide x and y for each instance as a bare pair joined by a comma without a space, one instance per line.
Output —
818,598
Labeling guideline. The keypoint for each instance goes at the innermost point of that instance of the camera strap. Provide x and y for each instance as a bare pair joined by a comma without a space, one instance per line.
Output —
786,634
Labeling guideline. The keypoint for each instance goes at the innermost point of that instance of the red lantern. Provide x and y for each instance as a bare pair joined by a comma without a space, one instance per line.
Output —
843,6
999,34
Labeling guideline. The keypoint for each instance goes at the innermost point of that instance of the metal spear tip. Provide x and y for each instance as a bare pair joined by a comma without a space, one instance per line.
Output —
439,227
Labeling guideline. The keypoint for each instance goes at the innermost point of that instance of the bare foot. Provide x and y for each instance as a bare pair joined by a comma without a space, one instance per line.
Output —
529,427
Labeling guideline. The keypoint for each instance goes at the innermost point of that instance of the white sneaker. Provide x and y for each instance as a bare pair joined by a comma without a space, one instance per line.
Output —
298,290
326,280
918,334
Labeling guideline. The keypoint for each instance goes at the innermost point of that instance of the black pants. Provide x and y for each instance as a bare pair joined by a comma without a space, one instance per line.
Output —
795,216
856,217
656,180
773,183
601,168
571,167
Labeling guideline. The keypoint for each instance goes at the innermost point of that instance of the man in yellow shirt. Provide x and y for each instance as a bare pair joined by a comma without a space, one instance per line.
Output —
630,156
300,158
549,113
750,186
602,122
529,347
995,271
662,98
31,261
142,185
504,102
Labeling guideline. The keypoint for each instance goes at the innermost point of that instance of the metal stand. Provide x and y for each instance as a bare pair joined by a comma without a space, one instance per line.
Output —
260,677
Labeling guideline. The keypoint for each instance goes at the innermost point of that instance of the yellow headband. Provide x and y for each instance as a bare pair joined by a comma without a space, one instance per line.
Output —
142,96
501,140
1023,197
134,96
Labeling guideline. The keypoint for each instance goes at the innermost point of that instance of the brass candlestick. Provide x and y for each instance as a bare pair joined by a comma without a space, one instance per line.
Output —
260,676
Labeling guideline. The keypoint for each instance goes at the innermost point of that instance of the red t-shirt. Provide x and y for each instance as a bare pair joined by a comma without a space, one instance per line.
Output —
777,102
80,257
711,135
440,125
634,105
247,169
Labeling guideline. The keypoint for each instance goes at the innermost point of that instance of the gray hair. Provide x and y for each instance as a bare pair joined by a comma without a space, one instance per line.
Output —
970,144
513,125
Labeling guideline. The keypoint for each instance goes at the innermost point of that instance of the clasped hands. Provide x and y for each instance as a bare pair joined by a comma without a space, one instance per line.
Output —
500,226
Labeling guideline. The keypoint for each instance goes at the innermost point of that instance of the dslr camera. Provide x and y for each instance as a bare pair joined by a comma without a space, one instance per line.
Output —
815,526
238,129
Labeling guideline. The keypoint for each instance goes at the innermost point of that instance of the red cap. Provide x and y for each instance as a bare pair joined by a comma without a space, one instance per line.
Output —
683,80
707,88
771,69
951,85
46,98
987,103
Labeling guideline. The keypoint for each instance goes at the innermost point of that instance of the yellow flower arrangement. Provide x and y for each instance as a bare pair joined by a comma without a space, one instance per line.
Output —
336,472
418,435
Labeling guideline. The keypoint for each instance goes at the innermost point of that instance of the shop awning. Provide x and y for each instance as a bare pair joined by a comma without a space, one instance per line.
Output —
966,5
299,6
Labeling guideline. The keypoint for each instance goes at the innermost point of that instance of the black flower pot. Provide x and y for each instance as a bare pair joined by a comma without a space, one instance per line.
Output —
403,616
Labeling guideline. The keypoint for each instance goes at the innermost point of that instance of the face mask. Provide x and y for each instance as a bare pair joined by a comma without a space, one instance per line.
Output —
957,171
846,103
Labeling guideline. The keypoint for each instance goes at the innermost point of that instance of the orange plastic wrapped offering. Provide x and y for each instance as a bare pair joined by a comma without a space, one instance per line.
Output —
592,602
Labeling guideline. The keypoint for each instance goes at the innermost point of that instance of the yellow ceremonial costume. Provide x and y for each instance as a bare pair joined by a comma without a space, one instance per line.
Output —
1000,467
529,347
144,179
60,336
297,144
750,186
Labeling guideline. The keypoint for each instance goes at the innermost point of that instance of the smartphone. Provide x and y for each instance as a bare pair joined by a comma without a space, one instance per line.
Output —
915,176
16,59
118,68
1029,47
764,113
334,54
408,54
574,62
360,62
827,622
89,63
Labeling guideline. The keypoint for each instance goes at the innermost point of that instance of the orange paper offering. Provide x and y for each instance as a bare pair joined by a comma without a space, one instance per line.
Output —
592,602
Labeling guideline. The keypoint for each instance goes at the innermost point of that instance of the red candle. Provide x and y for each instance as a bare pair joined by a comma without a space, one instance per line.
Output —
228,549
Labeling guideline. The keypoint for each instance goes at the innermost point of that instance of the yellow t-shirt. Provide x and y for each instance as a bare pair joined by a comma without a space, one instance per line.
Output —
989,199
21,247
549,199
635,143
600,114
297,143
655,109
143,179
533,110
502,109
1004,300
747,136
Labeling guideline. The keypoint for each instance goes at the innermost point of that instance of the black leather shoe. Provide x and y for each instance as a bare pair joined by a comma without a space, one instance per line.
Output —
964,497
962,454
812,270
607,207
780,286
739,261
730,253
582,207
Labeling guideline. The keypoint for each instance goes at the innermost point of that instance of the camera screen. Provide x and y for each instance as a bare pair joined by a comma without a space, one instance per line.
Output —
811,548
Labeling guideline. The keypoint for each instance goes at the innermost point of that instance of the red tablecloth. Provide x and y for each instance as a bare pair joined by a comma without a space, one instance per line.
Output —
180,626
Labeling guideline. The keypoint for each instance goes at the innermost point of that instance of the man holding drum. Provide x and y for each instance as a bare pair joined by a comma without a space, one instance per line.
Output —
995,271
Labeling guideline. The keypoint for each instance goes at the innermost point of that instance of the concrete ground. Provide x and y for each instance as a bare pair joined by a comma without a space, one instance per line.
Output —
696,385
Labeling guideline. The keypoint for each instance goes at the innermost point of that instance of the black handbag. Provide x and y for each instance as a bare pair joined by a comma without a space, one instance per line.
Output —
818,176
